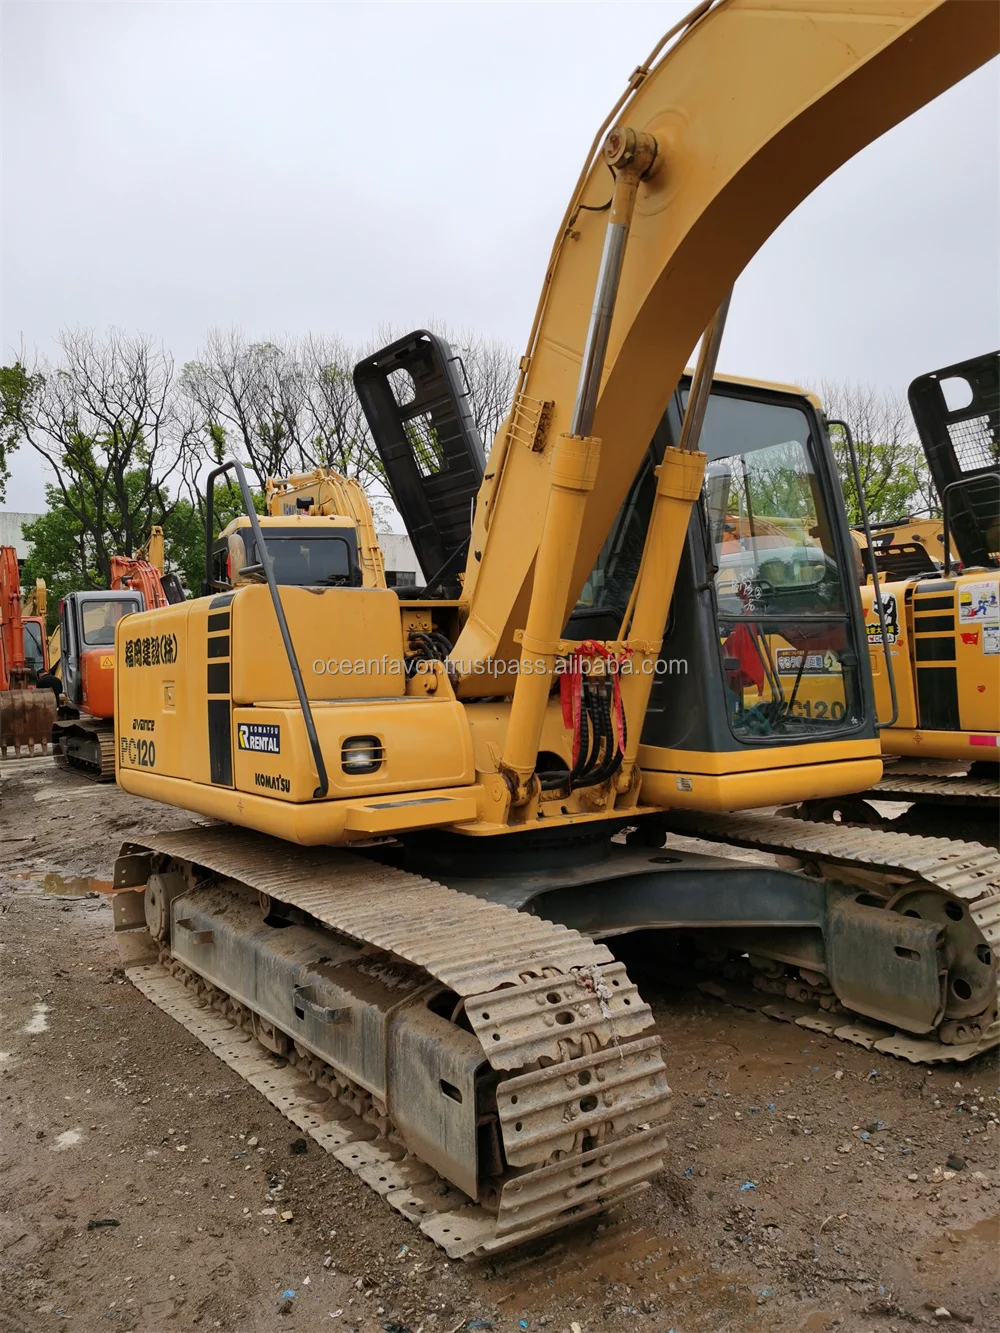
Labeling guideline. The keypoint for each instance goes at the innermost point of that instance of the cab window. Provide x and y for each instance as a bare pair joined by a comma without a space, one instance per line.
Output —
98,620
34,651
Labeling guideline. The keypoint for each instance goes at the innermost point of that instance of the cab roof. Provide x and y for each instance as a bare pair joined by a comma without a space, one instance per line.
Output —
285,521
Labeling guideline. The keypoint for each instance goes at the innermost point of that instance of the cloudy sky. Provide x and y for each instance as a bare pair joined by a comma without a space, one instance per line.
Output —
285,167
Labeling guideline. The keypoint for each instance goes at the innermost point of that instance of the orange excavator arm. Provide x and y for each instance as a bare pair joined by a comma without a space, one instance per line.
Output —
11,629
127,572
26,714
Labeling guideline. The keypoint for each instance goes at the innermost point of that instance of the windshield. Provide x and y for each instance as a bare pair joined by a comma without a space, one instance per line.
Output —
782,614
322,560
98,619
781,608
34,653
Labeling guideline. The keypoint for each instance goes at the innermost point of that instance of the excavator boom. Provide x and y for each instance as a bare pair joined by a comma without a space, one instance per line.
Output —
751,109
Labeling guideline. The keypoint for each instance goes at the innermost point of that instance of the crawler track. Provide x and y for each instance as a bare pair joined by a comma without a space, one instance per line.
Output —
86,747
955,790
564,1157
890,863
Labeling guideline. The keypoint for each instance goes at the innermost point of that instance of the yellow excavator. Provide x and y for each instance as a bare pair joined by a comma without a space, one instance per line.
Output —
319,529
407,900
937,676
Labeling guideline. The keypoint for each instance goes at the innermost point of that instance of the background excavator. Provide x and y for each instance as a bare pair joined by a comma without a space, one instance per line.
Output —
428,963
943,694
26,712
319,530
82,655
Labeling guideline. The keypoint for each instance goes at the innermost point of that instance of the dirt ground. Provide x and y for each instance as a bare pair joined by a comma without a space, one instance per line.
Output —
806,1186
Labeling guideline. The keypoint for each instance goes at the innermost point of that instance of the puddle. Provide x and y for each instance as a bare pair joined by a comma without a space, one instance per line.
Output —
983,1233
77,887
653,1266
37,1022
819,1321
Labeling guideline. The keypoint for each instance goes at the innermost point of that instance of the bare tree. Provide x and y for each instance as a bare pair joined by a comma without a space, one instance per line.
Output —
103,418
894,475
491,371
283,405
240,398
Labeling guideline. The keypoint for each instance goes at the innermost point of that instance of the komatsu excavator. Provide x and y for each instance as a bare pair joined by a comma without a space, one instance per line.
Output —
396,932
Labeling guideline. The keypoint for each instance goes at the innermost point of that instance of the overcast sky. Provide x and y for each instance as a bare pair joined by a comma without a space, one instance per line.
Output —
286,167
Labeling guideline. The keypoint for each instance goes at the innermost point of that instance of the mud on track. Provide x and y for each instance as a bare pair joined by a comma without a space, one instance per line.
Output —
109,1110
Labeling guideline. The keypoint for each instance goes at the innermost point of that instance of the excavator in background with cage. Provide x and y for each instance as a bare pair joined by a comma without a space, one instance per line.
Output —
937,676
434,808
26,712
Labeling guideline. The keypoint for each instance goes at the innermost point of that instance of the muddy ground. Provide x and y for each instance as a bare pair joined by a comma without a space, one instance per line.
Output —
806,1187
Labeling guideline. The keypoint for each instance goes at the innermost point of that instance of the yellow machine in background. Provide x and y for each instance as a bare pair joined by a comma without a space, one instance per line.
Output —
454,765
943,625
320,532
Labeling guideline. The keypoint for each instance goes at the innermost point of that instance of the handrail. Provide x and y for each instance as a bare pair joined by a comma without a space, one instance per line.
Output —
264,555
873,570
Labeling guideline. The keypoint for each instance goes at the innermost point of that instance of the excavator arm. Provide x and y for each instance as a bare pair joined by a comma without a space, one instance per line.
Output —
751,108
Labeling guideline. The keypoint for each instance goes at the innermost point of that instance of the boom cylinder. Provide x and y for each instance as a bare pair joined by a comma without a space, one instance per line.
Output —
573,472
630,155
678,485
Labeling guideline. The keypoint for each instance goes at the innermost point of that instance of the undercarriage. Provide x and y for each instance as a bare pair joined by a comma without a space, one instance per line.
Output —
475,1052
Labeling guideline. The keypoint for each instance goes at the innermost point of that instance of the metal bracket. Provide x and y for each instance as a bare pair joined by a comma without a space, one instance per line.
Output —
304,1002
196,936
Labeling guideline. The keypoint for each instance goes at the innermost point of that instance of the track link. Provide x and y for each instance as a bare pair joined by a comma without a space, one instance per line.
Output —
85,747
567,1157
959,790
969,872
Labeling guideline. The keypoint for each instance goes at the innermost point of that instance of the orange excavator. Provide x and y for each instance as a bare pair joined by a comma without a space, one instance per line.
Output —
83,734
26,713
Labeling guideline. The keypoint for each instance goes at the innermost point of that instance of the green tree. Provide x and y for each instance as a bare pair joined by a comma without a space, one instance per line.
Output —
103,418
17,389
63,552
894,474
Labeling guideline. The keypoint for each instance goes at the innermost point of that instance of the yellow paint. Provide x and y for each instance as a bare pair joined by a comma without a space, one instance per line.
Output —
741,791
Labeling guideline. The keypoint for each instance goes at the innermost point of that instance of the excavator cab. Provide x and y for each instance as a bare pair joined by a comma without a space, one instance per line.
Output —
763,646
87,622
306,551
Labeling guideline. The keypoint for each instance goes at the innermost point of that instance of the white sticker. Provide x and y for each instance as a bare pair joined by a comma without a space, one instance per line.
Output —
979,603
874,629
788,662
991,640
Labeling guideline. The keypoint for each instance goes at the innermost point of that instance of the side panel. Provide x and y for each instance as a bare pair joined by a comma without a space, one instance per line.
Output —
945,650
977,651
97,677
160,722
424,743
348,640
